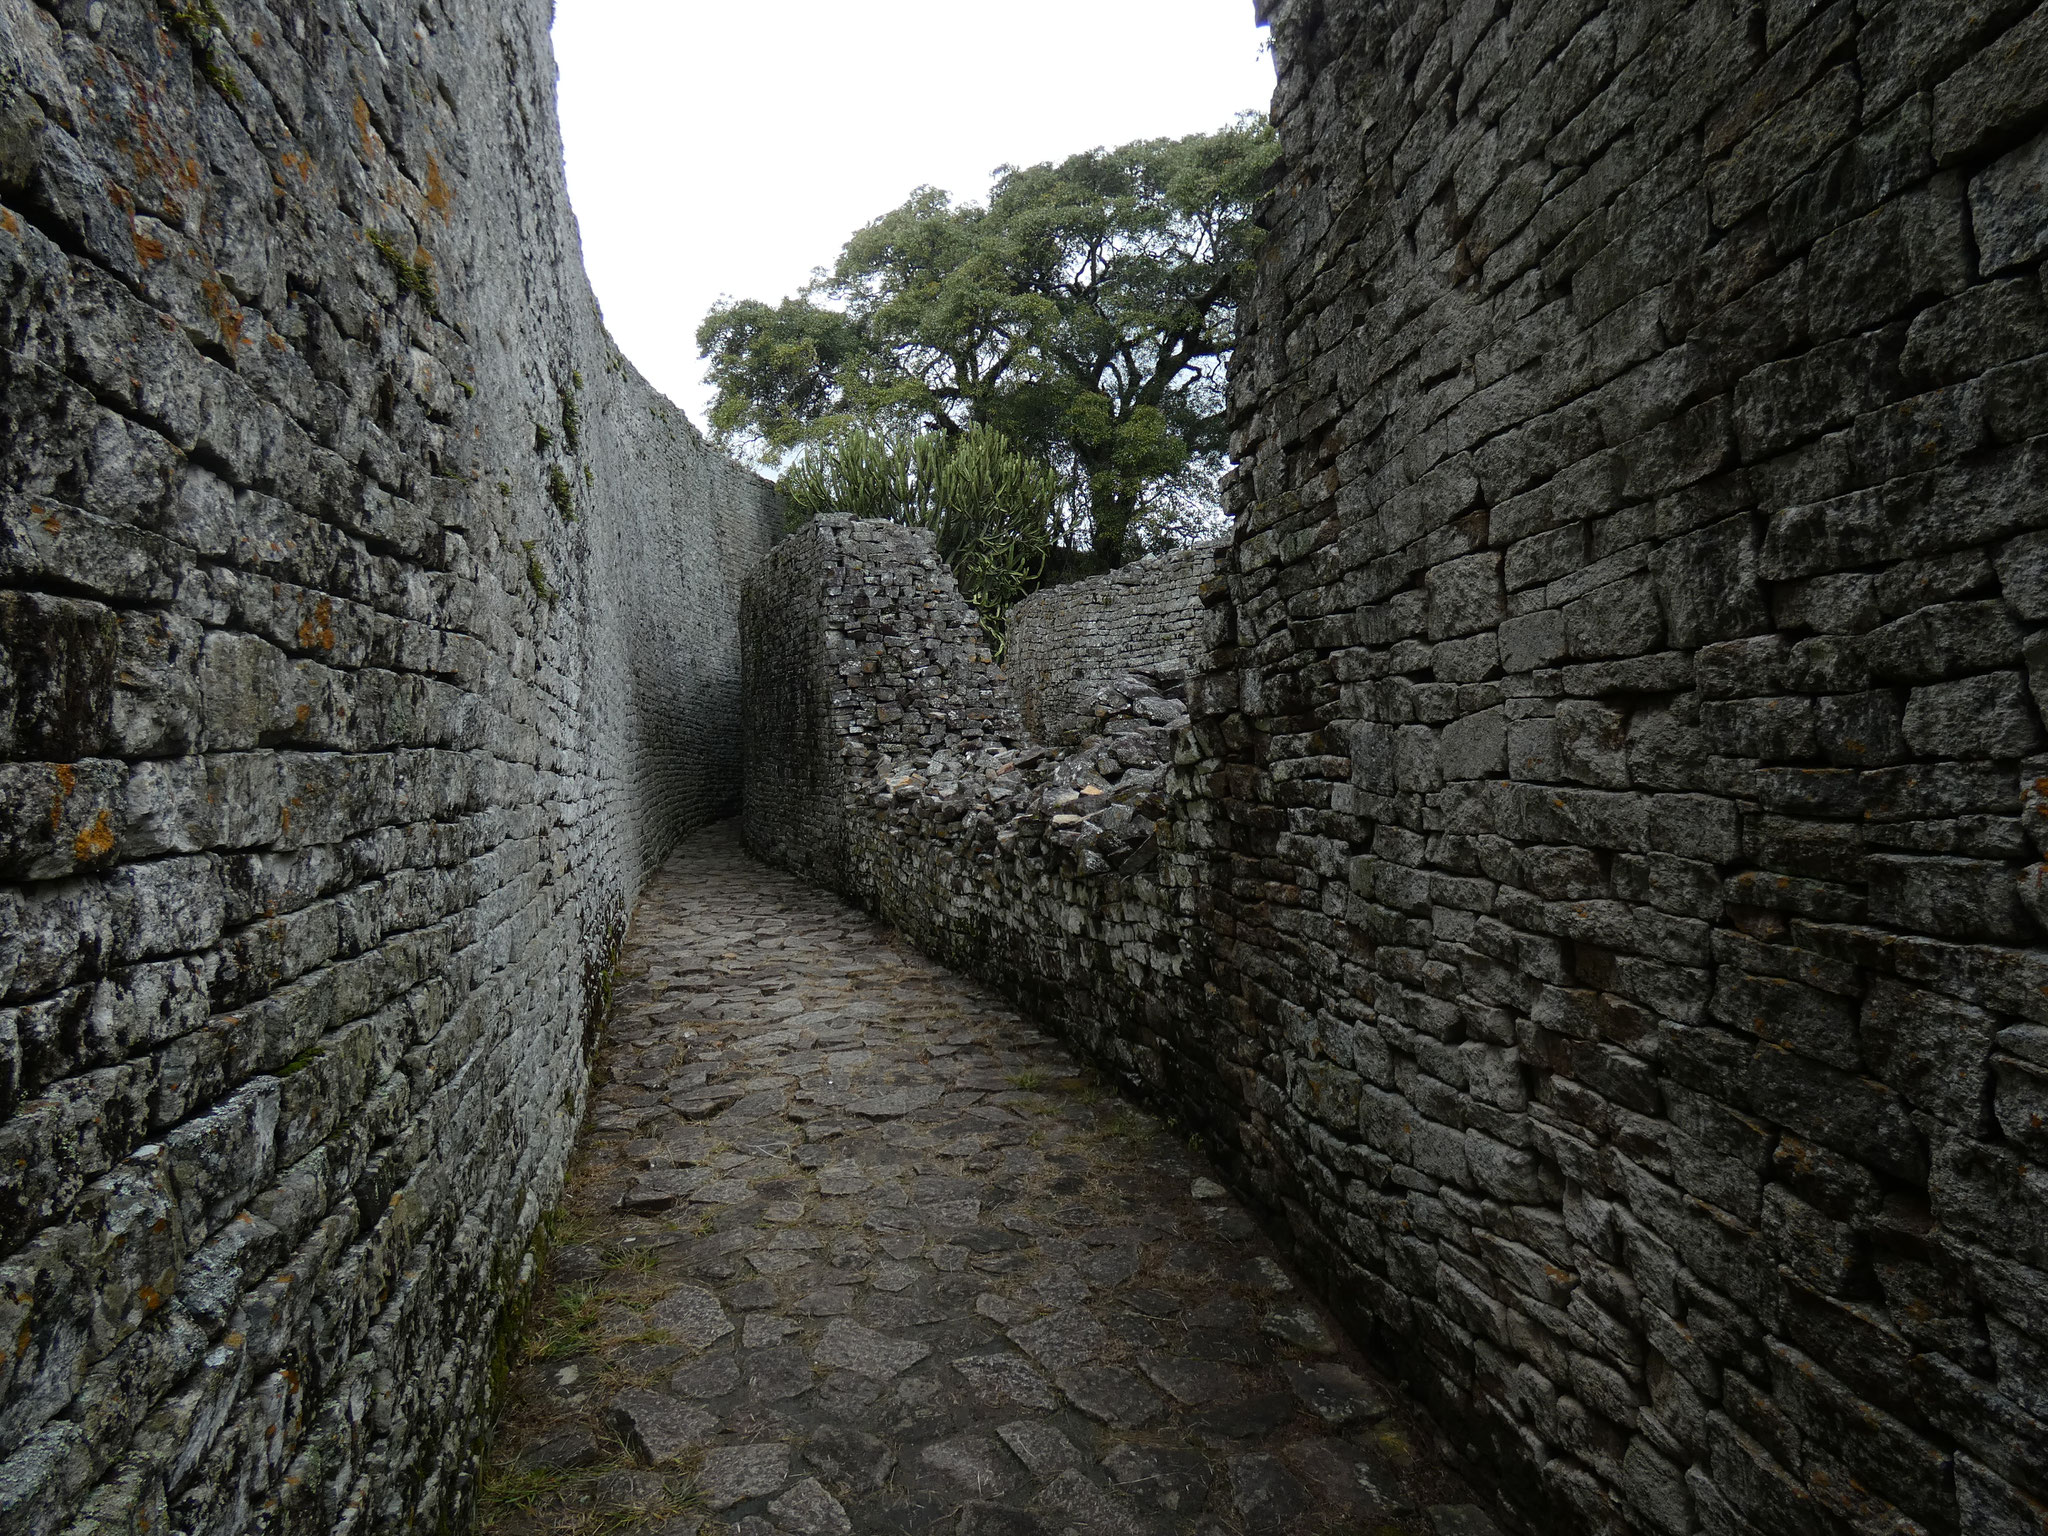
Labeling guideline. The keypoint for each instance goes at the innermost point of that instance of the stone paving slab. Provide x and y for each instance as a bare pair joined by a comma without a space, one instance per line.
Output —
852,1247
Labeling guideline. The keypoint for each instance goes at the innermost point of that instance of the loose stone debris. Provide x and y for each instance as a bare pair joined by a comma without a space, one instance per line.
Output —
852,1247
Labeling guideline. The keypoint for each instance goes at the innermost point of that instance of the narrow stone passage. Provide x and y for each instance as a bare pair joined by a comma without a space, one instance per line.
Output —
850,1246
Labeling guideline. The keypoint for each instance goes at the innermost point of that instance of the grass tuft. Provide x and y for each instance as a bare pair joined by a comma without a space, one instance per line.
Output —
537,574
206,30
572,420
561,493
415,276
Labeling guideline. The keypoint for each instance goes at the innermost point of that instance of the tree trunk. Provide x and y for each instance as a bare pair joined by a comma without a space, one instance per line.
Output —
1111,515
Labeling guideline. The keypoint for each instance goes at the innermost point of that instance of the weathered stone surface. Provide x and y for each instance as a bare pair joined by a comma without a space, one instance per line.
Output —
367,631
691,1314
808,1510
1589,903
657,1428
732,1474
1123,643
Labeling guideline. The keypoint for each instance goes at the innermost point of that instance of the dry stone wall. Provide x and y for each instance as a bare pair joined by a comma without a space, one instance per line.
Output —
1068,643
1628,742
886,756
367,628
1596,904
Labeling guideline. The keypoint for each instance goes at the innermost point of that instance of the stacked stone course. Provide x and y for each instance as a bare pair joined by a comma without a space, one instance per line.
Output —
367,628
1597,908
1067,642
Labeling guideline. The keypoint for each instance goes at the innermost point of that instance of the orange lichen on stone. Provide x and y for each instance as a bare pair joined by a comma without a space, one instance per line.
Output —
319,629
96,841
148,248
439,194
226,316
67,781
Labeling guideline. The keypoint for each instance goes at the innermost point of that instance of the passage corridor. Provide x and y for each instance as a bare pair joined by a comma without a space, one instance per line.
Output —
850,1246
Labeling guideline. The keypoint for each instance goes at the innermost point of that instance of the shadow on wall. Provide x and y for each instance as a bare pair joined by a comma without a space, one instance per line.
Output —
1596,904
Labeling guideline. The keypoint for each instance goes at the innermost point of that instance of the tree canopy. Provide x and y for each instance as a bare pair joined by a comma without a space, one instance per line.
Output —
1085,312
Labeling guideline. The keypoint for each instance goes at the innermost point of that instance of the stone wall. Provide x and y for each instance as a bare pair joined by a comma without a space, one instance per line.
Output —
1628,741
1596,907
869,680
858,654
367,628
1068,642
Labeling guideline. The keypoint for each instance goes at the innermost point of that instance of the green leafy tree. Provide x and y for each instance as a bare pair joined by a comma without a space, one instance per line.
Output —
1086,312
990,508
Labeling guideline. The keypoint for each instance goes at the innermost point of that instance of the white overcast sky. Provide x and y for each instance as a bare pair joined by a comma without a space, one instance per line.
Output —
727,147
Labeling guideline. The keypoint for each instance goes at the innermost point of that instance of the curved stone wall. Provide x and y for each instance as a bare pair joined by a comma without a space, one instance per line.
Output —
1631,742
1596,911
367,628
1068,642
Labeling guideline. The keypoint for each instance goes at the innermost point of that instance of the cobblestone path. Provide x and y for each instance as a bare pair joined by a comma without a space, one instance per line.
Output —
852,1247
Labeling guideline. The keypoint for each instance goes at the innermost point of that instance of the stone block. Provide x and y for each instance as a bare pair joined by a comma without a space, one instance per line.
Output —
1954,898
1591,744
1618,620
1911,248
1784,403
2020,1107
1975,331
1986,716
1998,90
2006,201
1464,596
1990,1503
1707,584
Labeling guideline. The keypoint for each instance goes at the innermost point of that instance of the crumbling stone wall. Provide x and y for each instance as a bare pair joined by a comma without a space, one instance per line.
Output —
1066,643
367,628
859,654
1610,814
869,681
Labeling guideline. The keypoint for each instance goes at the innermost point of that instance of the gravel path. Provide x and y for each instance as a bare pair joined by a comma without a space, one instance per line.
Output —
852,1247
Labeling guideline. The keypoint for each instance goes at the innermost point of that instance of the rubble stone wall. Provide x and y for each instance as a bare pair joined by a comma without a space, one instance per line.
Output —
367,628
1596,907
1068,641
1045,872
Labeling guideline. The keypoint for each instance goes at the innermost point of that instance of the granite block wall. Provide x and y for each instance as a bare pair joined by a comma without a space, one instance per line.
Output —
1595,904
1068,642
1048,872
858,654
367,628
1628,738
